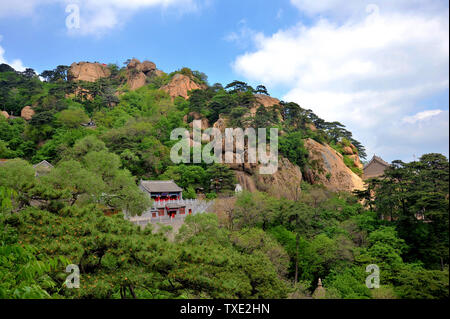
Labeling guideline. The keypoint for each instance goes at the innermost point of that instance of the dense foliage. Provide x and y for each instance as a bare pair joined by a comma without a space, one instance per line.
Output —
249,246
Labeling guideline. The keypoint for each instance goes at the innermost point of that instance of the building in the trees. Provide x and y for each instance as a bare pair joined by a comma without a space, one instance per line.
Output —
375,167
42,168
167,197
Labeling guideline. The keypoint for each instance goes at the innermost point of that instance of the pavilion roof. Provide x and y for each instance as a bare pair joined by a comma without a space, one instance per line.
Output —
377,159
160,186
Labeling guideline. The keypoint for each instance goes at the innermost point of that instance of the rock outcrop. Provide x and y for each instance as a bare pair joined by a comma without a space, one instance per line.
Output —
328,168
180,85
5,114
284,183
352,152
137,73
159,72
27,113
266,100
348,150
221,123
87,71
357,161
136,80
147,67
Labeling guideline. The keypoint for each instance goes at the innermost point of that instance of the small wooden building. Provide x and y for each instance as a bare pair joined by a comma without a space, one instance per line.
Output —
167,196
375,167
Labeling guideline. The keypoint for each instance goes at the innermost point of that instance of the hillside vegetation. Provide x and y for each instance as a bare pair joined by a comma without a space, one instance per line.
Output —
104,135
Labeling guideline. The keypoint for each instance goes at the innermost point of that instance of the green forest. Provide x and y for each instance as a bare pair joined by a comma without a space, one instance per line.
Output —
253,246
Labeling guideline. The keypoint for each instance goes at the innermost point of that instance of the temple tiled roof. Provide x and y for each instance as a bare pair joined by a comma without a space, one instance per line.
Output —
377,159
161,186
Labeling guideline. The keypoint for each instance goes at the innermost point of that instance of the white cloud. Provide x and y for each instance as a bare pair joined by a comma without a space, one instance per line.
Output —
428,135
16,63
352,8
421,116
10,8
98,16
367,72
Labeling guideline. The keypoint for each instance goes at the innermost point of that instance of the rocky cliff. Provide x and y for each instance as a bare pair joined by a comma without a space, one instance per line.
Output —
284,183
180,85
267,101
87,71
328,168
327,165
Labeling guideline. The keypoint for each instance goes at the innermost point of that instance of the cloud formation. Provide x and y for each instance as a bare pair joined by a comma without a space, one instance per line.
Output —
421,116
368,71
16,63
98,16
354,8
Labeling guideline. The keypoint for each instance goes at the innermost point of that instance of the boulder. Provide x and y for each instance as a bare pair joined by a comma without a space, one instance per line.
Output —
138,72
329,168
136,80
133,64
87,71
27,113
357,161
180,85
5,114
147,67
348,150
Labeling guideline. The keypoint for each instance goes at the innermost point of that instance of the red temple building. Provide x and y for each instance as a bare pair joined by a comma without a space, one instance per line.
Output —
167,198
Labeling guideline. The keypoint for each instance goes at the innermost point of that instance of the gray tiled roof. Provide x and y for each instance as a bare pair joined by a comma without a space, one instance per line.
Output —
377,159
160,186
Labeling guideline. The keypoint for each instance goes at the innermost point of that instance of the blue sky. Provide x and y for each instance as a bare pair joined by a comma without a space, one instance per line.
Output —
379,67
